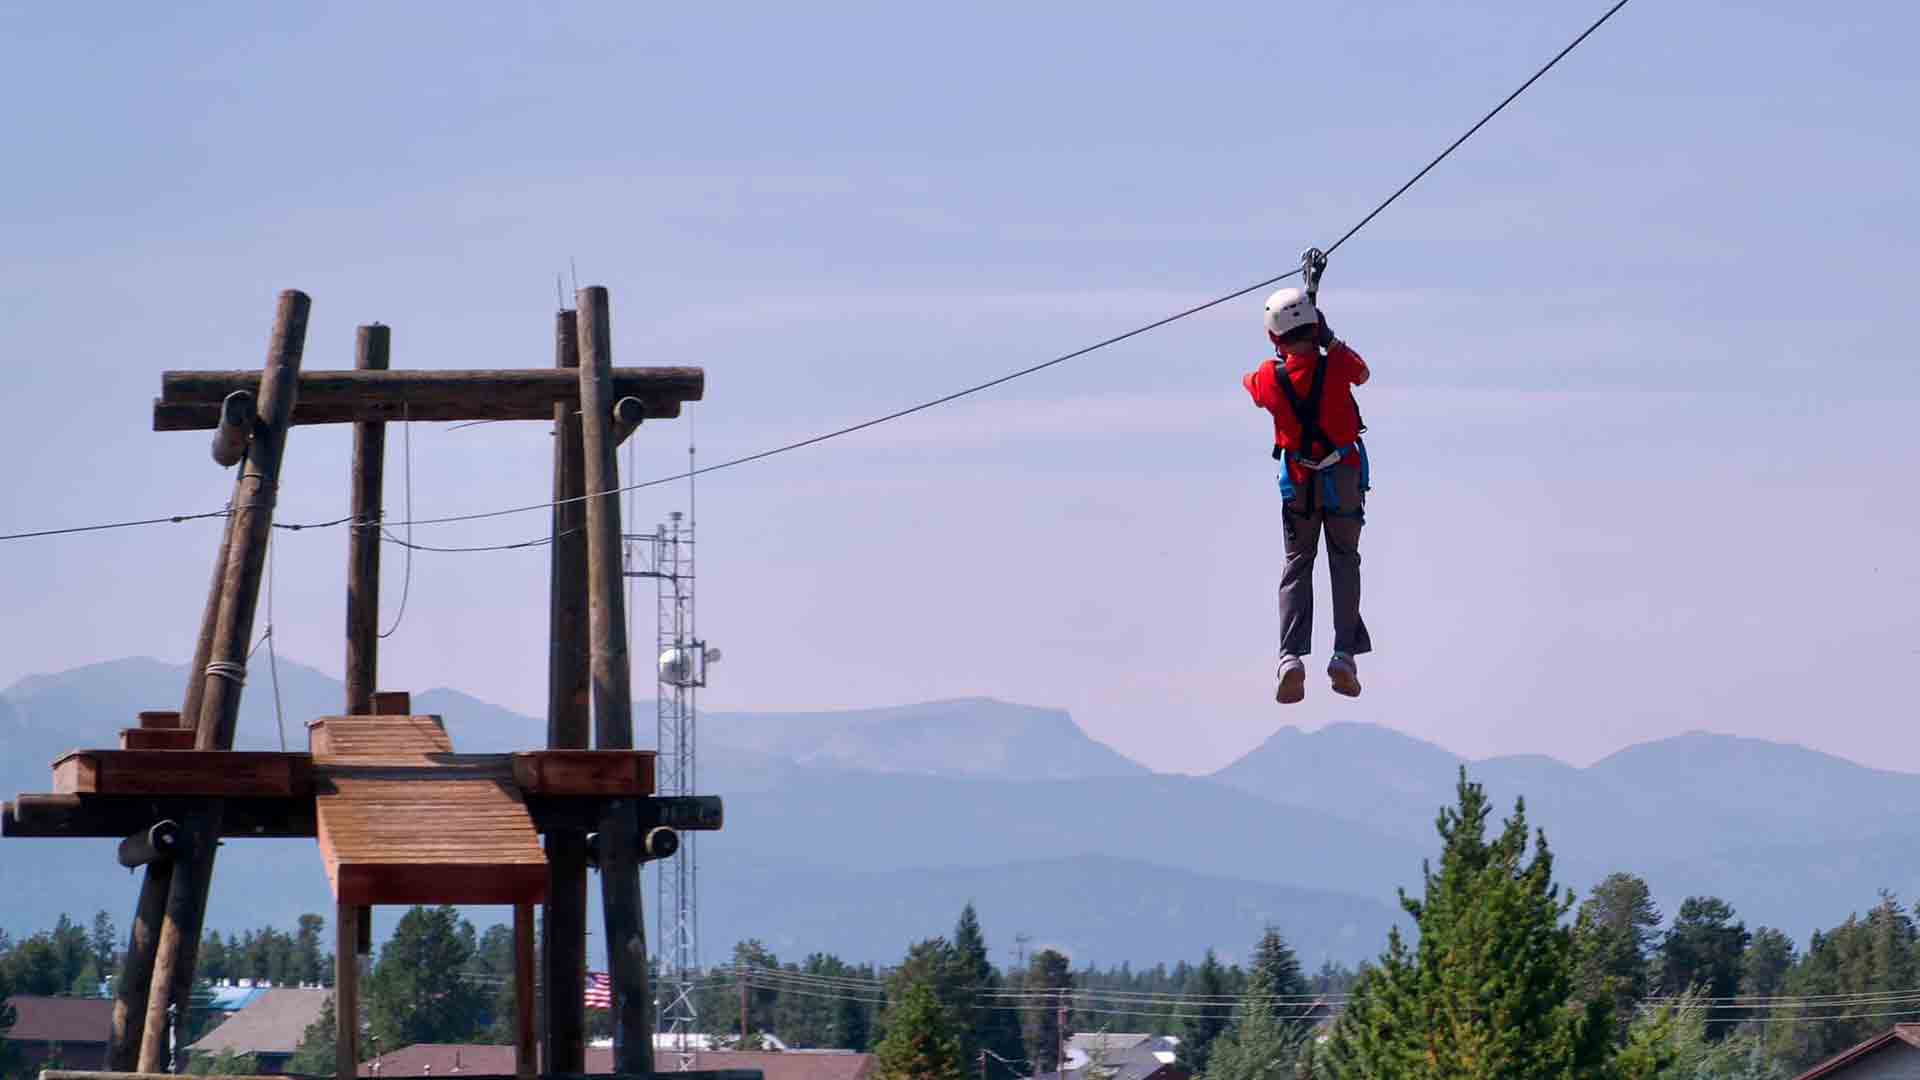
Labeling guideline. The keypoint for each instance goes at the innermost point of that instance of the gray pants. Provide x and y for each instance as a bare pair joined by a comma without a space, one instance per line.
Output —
1341,520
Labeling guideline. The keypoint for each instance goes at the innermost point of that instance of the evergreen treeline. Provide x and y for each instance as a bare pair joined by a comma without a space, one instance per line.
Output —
1509,976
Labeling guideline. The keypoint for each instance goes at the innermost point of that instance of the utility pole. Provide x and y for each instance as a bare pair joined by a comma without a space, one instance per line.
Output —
1060,1037
744,980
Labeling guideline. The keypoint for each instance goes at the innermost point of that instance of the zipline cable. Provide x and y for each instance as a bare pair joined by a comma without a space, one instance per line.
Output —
958,394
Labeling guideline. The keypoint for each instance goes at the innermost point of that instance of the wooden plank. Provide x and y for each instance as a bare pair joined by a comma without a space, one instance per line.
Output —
165,719
392,703
525,1063
76,772
215,774
536,388
194,416
372,346
626,939
346,991
585,772
439,883
385,738
143,738
402,820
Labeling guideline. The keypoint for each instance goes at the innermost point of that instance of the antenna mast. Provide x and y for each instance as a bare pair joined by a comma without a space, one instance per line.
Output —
682,671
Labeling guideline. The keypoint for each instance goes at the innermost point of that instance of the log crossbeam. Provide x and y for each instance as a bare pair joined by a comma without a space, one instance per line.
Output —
192,400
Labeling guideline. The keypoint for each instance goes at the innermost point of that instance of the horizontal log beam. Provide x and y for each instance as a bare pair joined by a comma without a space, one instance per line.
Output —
194,416
113,817
540,388
584,772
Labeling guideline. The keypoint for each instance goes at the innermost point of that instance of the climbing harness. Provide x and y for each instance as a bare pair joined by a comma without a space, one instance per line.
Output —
1320,453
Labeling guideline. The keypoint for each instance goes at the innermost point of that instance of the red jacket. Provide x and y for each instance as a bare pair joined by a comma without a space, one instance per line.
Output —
1339,417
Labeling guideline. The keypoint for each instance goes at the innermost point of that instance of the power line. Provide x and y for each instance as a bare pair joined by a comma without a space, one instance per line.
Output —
406,580
172,519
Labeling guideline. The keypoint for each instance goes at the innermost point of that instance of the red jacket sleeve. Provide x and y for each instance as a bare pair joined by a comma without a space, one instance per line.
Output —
1260,386
1352,367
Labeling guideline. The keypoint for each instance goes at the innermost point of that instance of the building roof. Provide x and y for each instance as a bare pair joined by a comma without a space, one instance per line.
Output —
60,1019
452,1059
272,1022
1124,1056
1107,1041
1899,1033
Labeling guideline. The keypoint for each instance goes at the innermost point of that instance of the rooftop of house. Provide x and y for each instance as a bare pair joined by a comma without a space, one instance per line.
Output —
1835,1066
272,1022
60,1019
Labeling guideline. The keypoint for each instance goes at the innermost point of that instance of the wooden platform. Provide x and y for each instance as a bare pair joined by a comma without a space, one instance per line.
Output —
404,820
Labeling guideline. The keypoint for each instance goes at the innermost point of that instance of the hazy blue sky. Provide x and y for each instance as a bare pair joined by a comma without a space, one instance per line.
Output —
1644,353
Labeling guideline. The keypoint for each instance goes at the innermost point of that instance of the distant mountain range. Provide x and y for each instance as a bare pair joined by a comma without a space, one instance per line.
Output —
857,832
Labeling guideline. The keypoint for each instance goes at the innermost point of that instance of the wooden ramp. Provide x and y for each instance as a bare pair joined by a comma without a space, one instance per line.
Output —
402,819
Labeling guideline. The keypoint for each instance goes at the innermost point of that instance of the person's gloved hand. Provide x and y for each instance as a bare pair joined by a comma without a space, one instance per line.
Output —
1323,336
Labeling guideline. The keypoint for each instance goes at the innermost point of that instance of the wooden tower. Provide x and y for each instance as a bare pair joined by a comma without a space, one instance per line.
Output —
400,817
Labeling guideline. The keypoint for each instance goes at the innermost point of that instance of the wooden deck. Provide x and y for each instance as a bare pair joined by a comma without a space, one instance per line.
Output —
404,820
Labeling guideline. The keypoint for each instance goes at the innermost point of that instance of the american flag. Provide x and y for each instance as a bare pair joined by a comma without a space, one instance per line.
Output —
599,991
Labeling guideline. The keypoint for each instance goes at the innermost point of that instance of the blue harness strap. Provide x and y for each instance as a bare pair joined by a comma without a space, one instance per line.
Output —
1322,484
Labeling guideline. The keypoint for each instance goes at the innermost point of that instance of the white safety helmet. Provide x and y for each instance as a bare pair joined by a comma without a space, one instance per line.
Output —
1289,309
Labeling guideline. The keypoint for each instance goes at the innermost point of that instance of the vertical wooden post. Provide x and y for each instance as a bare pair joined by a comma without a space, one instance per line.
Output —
568,716
523,1044
346,990
171,984
254,497
371,349
563,940
130,995
606,607
251,526
612,692
209,618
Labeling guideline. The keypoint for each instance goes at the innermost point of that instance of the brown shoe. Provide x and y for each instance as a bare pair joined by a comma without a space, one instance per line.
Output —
1345,675
1293,681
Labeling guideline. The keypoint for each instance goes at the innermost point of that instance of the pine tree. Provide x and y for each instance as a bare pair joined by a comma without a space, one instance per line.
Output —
1048,981
1486,994
415,993
1271,1023
921,1043
1207,1013
987,1022
213,961
1877,954
105,941
1703,949
310,967
1613,937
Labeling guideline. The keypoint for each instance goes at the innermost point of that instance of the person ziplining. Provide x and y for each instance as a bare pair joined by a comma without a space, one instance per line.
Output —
1324,477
